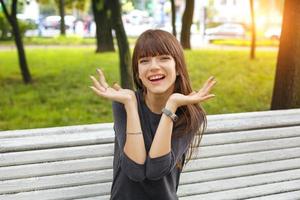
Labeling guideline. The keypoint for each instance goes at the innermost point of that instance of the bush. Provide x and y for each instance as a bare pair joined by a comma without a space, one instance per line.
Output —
6,29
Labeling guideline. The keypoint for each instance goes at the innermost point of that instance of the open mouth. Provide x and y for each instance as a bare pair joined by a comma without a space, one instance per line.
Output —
156,78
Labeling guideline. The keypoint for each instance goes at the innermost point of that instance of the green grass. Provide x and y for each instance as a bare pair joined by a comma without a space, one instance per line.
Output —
60,40
59,94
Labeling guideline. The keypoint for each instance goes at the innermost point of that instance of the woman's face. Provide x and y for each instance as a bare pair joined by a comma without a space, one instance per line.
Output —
158,74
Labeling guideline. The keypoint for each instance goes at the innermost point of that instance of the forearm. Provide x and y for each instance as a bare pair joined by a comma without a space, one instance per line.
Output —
161,144
134,145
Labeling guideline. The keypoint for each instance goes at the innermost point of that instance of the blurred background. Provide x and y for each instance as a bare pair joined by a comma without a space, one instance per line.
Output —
49,48
212,19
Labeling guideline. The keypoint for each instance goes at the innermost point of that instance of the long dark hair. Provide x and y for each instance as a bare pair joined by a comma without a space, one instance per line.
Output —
192,118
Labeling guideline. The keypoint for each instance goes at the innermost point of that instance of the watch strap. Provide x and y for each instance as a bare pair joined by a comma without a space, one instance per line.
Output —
170,114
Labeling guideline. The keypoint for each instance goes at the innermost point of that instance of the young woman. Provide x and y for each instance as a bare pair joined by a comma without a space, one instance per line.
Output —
157,125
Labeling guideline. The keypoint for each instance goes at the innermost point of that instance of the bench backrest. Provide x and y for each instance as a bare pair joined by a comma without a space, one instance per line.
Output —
244,155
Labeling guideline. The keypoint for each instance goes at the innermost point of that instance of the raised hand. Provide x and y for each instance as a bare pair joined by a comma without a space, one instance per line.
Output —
177,99
114,93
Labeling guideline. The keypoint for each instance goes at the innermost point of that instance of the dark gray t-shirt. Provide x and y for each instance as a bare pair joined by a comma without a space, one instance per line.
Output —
158,178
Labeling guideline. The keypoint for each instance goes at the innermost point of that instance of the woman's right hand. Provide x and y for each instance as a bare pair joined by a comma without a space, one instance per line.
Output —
114,93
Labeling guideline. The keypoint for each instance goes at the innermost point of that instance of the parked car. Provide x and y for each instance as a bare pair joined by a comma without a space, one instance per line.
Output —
273,33
225,31
53,22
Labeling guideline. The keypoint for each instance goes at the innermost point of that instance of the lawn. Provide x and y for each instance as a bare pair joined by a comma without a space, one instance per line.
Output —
60,40
59,94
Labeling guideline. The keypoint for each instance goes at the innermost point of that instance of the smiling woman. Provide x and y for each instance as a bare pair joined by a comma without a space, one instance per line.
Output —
157,125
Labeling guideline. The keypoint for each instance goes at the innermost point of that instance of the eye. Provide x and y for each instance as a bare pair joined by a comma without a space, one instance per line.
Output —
164,58
143,60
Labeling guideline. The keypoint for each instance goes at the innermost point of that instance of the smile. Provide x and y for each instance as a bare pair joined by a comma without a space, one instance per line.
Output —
157,77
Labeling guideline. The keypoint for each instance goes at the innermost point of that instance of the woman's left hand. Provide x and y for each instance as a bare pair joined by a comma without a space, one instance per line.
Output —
176,100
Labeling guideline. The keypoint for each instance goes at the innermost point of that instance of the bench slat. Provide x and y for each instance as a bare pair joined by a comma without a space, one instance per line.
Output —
50,168
58,154
243,170
36,156
249,192
79,152
52,141
64,130
43,142
239,182
283,196
248,136
216,123
61,193
220,173
55,181
53,168
245,159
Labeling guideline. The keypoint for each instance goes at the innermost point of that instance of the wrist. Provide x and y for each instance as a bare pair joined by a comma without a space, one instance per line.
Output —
171,106
130,104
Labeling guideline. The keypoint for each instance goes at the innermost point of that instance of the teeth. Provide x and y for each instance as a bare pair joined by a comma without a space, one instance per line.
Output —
155,77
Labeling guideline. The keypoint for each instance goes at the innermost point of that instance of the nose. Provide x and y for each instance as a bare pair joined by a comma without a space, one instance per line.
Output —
154,64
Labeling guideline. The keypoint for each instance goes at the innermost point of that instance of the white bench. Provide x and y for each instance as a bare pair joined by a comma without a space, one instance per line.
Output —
245,155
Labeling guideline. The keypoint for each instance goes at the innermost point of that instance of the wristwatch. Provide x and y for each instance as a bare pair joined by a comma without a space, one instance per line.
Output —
167,112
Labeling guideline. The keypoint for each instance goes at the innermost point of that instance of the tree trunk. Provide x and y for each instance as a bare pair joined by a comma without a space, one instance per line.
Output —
102,18
253,31
173,17
124,52
62,17
187,20
12,19
286,93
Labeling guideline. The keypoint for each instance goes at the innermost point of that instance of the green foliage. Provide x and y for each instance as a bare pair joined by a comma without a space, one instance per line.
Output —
60,95
5,29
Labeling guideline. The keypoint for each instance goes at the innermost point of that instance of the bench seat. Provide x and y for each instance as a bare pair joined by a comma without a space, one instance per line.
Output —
253,155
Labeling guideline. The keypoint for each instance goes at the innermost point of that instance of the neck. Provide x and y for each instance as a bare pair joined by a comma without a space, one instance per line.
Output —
156,102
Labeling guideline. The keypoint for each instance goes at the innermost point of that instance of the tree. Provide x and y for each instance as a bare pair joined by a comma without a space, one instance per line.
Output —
61,5
173,17
187,20
13,21
253,31
124,52
286,93
102,16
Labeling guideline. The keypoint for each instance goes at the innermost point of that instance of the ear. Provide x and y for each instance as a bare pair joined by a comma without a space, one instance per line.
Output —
177,73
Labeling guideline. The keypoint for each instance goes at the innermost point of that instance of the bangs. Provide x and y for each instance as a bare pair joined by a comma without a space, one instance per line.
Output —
153,46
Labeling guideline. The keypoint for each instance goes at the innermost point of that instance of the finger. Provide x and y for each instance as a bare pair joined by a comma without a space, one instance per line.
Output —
116,86
192,93
102,79
207,97
98,92
207,88
96,84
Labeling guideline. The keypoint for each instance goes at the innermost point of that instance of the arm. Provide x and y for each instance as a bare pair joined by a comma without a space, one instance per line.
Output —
134,145
126,118
128,158
163,154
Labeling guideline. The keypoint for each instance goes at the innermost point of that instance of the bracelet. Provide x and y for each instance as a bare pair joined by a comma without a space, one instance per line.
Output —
167,112
134,133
